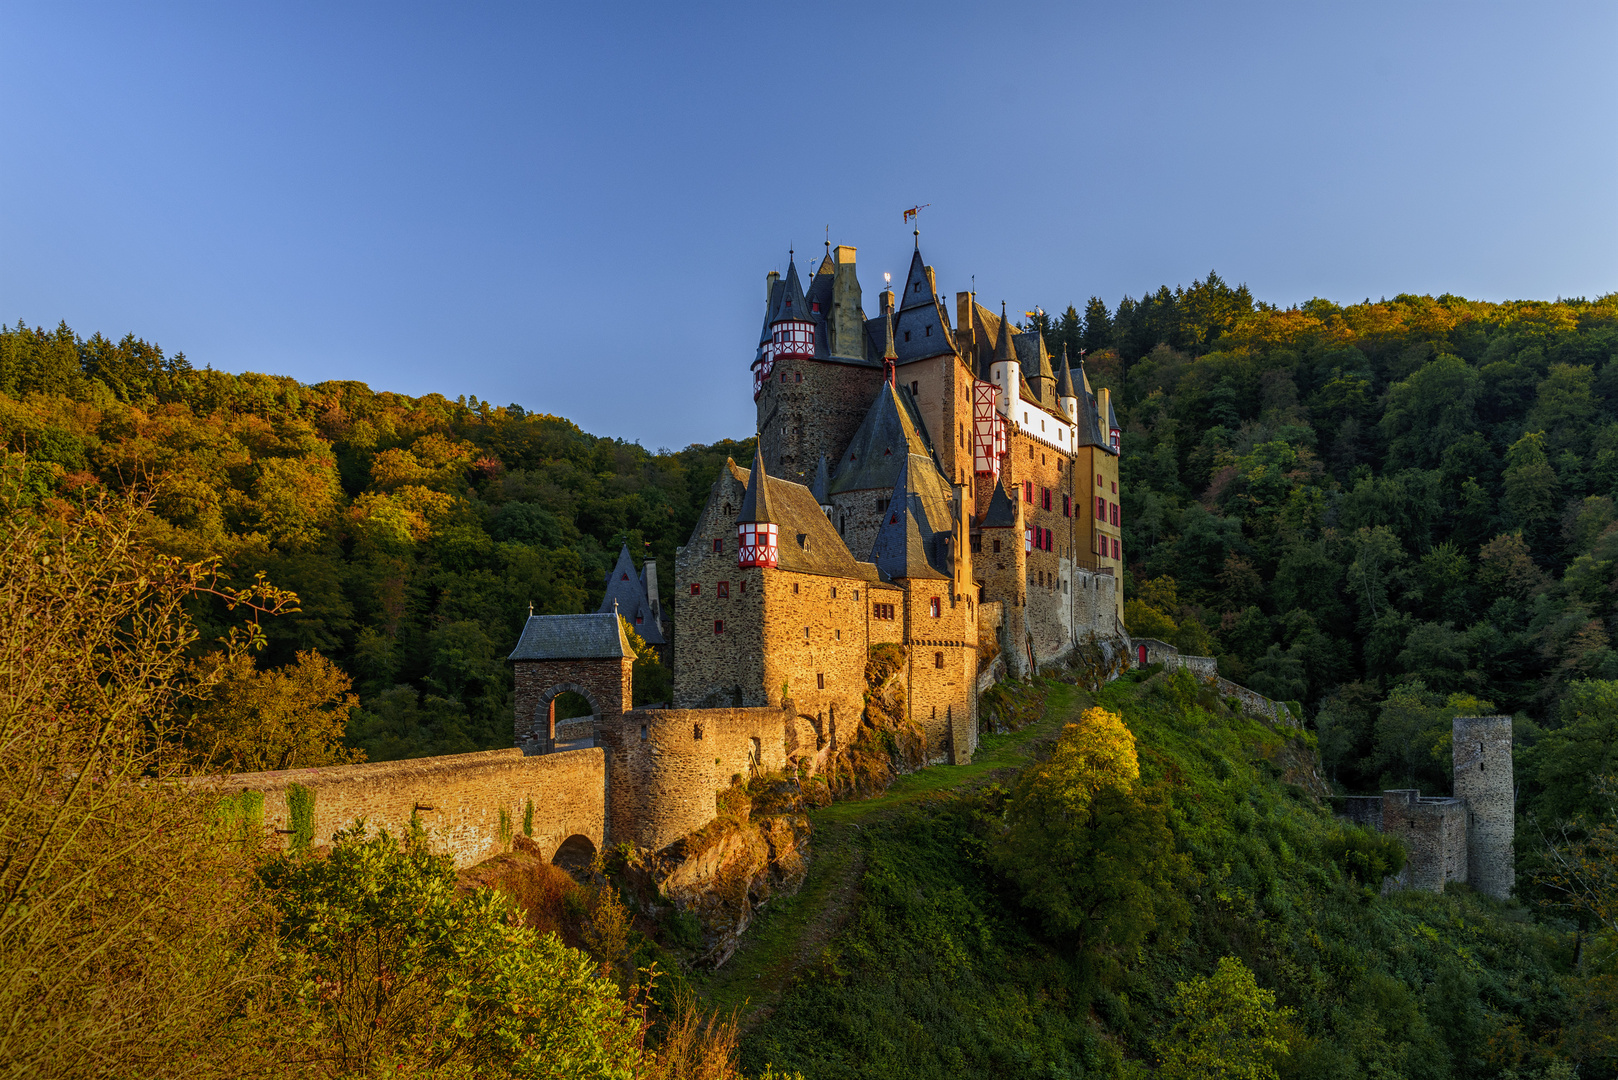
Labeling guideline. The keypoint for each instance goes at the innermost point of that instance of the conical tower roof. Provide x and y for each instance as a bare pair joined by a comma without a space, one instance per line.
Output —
1004,351
1002,512
918,286
821,488
792,304
756,503
1064,381
888,351
888,434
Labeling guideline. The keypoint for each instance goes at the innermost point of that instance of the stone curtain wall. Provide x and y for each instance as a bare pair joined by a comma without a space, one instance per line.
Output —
667,765
606,684
812,637
1433,832
718,669
458,799
1484,781
942,700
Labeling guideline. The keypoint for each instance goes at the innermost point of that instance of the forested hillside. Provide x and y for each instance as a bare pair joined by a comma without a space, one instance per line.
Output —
1389,510
415,531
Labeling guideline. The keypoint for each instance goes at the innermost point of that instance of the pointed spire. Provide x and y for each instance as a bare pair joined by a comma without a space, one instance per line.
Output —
792,305
918,284
822,486
1003,352
1064,382
890,356
756,503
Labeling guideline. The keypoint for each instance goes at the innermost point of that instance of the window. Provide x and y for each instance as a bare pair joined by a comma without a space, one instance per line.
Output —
724,590
783,376
918,287
1115,513
907,335
1028,491
806,633
837,634
929,331
1115,487
938,659
856,594
1098,479
695,589
719,626
882,504
623,577
1067,506
820,680
915,387
800,377
1117,549
935,608
1101,508
794,588
834,592
718,545
977,545
1045,498
997,547
882,611
696,731
1028,539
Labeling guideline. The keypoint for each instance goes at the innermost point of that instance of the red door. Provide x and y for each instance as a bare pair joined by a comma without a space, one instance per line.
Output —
1142,655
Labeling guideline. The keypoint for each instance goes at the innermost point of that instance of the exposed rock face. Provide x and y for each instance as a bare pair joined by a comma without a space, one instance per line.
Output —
757,849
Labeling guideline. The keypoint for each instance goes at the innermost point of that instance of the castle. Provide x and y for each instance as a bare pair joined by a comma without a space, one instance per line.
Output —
943,490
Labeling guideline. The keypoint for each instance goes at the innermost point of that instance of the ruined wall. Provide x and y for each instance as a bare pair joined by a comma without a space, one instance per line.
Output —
1433,832
1484,781
667,765
606,684
469,805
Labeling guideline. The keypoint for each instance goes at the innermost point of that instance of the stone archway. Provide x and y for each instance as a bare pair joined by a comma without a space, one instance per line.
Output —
540,734
575,854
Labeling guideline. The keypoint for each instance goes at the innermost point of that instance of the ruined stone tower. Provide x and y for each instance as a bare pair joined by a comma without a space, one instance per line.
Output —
1483,781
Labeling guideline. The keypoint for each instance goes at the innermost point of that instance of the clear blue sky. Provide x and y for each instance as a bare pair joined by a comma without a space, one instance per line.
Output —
573,207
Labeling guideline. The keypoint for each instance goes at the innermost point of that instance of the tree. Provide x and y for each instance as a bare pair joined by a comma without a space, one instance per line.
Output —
128,933
287,718
1097,325
1428,411
1228,1028
406,976
1089,849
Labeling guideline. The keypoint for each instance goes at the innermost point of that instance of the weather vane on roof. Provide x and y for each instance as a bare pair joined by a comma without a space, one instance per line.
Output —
914,213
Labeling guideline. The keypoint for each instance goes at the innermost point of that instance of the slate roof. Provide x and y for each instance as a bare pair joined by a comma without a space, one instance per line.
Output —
1002,512
890,432
756,504
821,488
907,543
572,637
1112,418
628,590
1004,351
1064,381
1032,354
809,544
792,305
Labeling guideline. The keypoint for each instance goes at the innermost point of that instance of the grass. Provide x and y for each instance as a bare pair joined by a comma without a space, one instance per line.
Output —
792,932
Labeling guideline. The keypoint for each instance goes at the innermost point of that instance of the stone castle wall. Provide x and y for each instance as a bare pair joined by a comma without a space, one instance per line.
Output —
808,408
469,805
667,765
1433,832
606,684
816,630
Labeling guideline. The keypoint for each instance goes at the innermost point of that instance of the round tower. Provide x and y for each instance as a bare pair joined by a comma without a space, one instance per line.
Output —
1005,370
757,535
1483,778
792,329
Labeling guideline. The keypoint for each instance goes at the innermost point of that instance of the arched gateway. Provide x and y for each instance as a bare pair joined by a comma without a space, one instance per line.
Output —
586,655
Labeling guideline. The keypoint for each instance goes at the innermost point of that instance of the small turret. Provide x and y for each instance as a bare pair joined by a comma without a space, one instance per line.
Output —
1005,371
821,488
757,534
1110,418
1067,395
792,329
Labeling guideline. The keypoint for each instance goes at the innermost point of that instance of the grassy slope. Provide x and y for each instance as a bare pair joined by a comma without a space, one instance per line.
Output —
905,954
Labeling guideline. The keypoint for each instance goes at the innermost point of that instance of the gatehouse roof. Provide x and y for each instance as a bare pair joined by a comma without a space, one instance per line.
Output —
598,636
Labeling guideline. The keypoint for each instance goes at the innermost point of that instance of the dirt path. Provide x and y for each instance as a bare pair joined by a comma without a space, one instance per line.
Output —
792,933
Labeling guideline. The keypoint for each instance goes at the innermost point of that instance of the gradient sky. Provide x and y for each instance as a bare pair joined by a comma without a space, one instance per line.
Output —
573,207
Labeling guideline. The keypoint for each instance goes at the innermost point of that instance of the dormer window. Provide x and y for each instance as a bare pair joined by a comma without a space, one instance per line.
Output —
907,335
929,331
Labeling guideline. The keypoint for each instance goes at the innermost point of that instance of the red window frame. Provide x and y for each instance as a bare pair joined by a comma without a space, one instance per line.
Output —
718,545
1101,508
935,608
1028,492
723,589
1117,549
1115,513
696,589
719,626
1045,498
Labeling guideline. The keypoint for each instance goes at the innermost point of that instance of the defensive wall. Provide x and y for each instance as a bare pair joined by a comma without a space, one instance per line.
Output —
470,806
1148,651
1465,837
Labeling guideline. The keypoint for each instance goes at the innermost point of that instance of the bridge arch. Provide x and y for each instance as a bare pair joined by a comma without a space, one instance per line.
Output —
575,854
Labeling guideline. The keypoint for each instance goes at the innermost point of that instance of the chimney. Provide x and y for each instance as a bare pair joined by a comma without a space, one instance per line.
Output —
887,301
846,323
